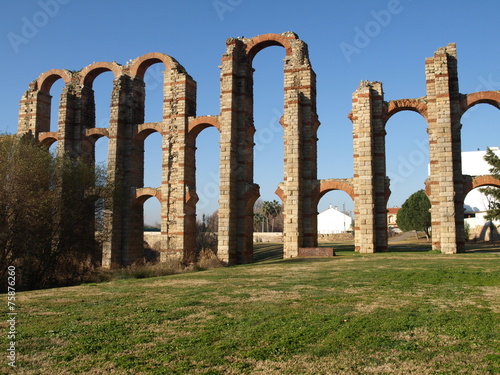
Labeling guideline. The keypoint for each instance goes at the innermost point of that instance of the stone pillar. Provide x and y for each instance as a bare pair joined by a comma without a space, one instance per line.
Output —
300,122
445,182
370,182
133,167
28,109
178,215
190,182
85,146
234,104
68,132
127,110
35,113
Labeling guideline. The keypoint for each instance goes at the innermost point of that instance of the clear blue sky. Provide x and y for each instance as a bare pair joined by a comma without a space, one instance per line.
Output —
36,36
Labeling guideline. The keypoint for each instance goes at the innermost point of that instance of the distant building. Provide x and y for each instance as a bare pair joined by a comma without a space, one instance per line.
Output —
473,162
476,203
333,221
392,214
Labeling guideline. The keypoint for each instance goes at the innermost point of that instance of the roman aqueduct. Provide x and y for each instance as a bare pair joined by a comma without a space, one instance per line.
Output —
300,190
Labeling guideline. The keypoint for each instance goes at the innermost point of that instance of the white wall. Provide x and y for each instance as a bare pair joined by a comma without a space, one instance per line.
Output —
473,162
333,221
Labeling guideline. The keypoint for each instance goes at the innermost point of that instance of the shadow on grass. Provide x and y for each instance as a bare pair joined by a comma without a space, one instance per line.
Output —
483,247
409,247
267,251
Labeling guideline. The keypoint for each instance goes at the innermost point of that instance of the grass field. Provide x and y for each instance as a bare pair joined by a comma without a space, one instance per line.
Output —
408,311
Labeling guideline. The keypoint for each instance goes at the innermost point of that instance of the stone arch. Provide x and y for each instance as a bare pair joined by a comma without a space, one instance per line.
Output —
256,135
195,126
470,100
47,139
299,122
45,81
251,196
97,133
91,136
198,124
91,72
138,152
325,186
143,130
139,66
260,42
143,194
332,184
415,105
47,115
419,150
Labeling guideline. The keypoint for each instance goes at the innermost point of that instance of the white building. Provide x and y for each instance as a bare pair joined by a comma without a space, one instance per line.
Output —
473,162
476,203
333,221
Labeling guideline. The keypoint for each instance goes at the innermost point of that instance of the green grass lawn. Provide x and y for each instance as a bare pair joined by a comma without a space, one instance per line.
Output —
401,312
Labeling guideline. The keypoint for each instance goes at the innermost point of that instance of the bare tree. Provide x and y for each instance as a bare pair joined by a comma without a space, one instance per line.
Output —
48,209
206,233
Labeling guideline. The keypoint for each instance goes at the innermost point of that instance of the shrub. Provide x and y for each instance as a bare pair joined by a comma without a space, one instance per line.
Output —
208,260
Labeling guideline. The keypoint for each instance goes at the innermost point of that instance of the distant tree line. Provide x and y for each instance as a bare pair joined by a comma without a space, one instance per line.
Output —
268,216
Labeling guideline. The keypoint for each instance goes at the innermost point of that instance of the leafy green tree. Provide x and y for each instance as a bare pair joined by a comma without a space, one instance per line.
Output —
491,192
271,209
414,214
48,210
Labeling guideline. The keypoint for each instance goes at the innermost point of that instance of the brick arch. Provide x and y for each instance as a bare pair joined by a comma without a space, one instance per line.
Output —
143,130
332,184
251,196
415,105
470,100
198,124
280,193
258,43
139,66
47,79
47,139
97,133
91,72
478,181
143,194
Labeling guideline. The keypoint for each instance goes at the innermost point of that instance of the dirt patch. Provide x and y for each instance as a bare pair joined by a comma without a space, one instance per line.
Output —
492,294
171,282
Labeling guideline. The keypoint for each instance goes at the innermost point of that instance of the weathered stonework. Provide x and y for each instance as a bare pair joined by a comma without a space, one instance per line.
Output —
442,108
300,190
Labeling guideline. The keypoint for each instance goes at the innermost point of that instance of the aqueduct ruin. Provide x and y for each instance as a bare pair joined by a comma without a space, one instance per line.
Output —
300,190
